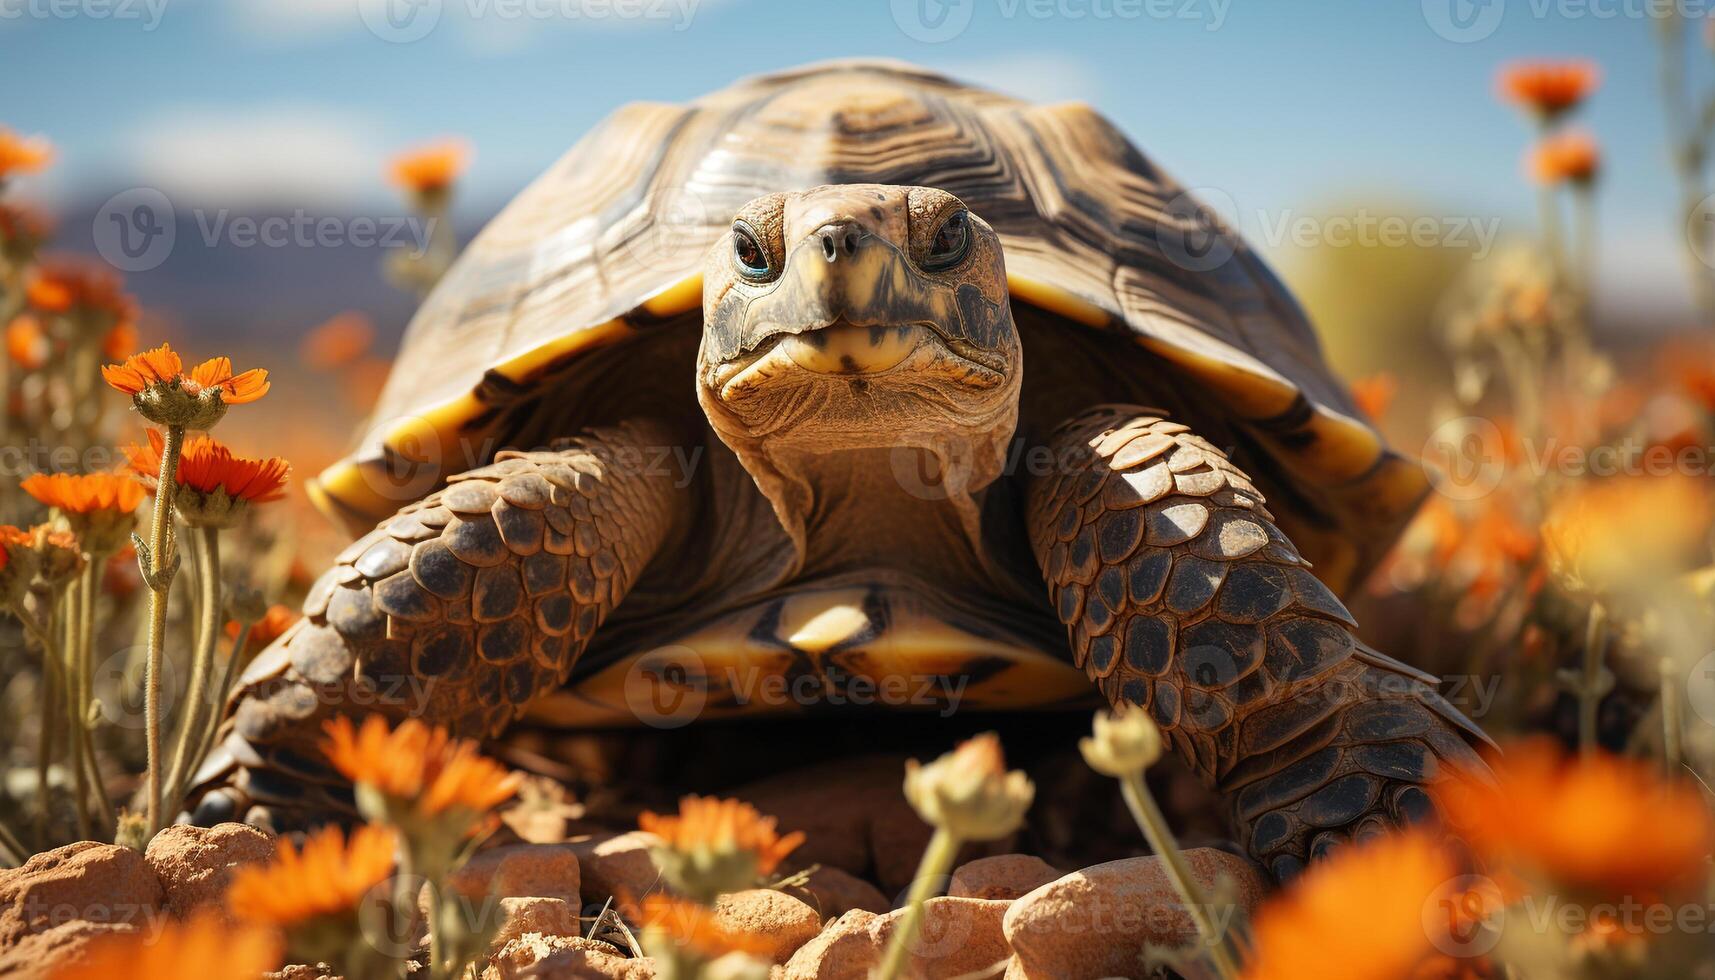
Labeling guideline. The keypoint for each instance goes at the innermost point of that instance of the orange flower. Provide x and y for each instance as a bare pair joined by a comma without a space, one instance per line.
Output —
205,947
208,466
22,155
425,770
26,344
22,228
1690,364
429,169
1624,531
1565,157
1597,823
338,342
328,877
59,554
85,493
12,537
1358,915
1375,394
162,366
266,630
693,926
120,341
1548,88
78,286
709,825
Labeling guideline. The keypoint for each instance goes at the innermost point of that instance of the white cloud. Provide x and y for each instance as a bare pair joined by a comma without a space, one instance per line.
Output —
299,155
1045,76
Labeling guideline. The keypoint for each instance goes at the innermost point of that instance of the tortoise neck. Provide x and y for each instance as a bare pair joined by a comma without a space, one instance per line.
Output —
884,509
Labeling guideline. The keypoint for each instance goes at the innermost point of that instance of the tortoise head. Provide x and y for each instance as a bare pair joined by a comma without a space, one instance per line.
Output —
858,316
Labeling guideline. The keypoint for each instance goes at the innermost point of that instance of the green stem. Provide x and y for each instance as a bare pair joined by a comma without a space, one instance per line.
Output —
74,689
11,304
438,968
12,850
405,891
1584,214
202,667
221,693
1672,731
1548,212
937,860
45,746
53,681
1687,144
1154,826
159,542
101,805
1590,686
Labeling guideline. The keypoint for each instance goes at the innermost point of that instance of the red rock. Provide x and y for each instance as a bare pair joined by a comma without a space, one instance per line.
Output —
1095,922
958,936
39,955
101,883
539,957
1004,876
195,864
542,916
845,949
833,893
521,871
617,866
835,804
784,922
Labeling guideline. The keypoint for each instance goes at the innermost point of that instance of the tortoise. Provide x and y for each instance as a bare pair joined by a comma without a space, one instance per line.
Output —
855,378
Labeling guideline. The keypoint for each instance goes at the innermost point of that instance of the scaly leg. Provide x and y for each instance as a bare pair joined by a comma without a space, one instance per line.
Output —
1179,594
458,610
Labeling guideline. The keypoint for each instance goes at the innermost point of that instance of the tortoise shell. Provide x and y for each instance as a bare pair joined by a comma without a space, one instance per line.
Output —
608,244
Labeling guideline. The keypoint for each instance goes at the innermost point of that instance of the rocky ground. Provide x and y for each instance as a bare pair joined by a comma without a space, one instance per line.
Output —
553,869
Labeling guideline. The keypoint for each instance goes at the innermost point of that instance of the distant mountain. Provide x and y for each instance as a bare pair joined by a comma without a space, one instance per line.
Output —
259,276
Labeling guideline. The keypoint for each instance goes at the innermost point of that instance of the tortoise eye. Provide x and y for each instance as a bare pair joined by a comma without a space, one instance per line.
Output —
748,253
951,241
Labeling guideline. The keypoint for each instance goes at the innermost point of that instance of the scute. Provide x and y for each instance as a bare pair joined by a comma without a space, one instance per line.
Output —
607,244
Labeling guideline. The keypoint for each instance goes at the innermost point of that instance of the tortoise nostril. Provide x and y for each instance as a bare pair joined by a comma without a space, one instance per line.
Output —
840,239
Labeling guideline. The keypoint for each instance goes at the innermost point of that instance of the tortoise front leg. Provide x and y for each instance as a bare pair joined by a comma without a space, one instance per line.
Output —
458,610
1180,595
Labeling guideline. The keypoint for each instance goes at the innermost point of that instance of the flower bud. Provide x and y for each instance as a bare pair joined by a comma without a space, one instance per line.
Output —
1125,742
173,404
969,792
214,508
58,555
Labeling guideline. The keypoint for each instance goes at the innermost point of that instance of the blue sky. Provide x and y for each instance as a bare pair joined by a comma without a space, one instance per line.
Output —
1280,107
